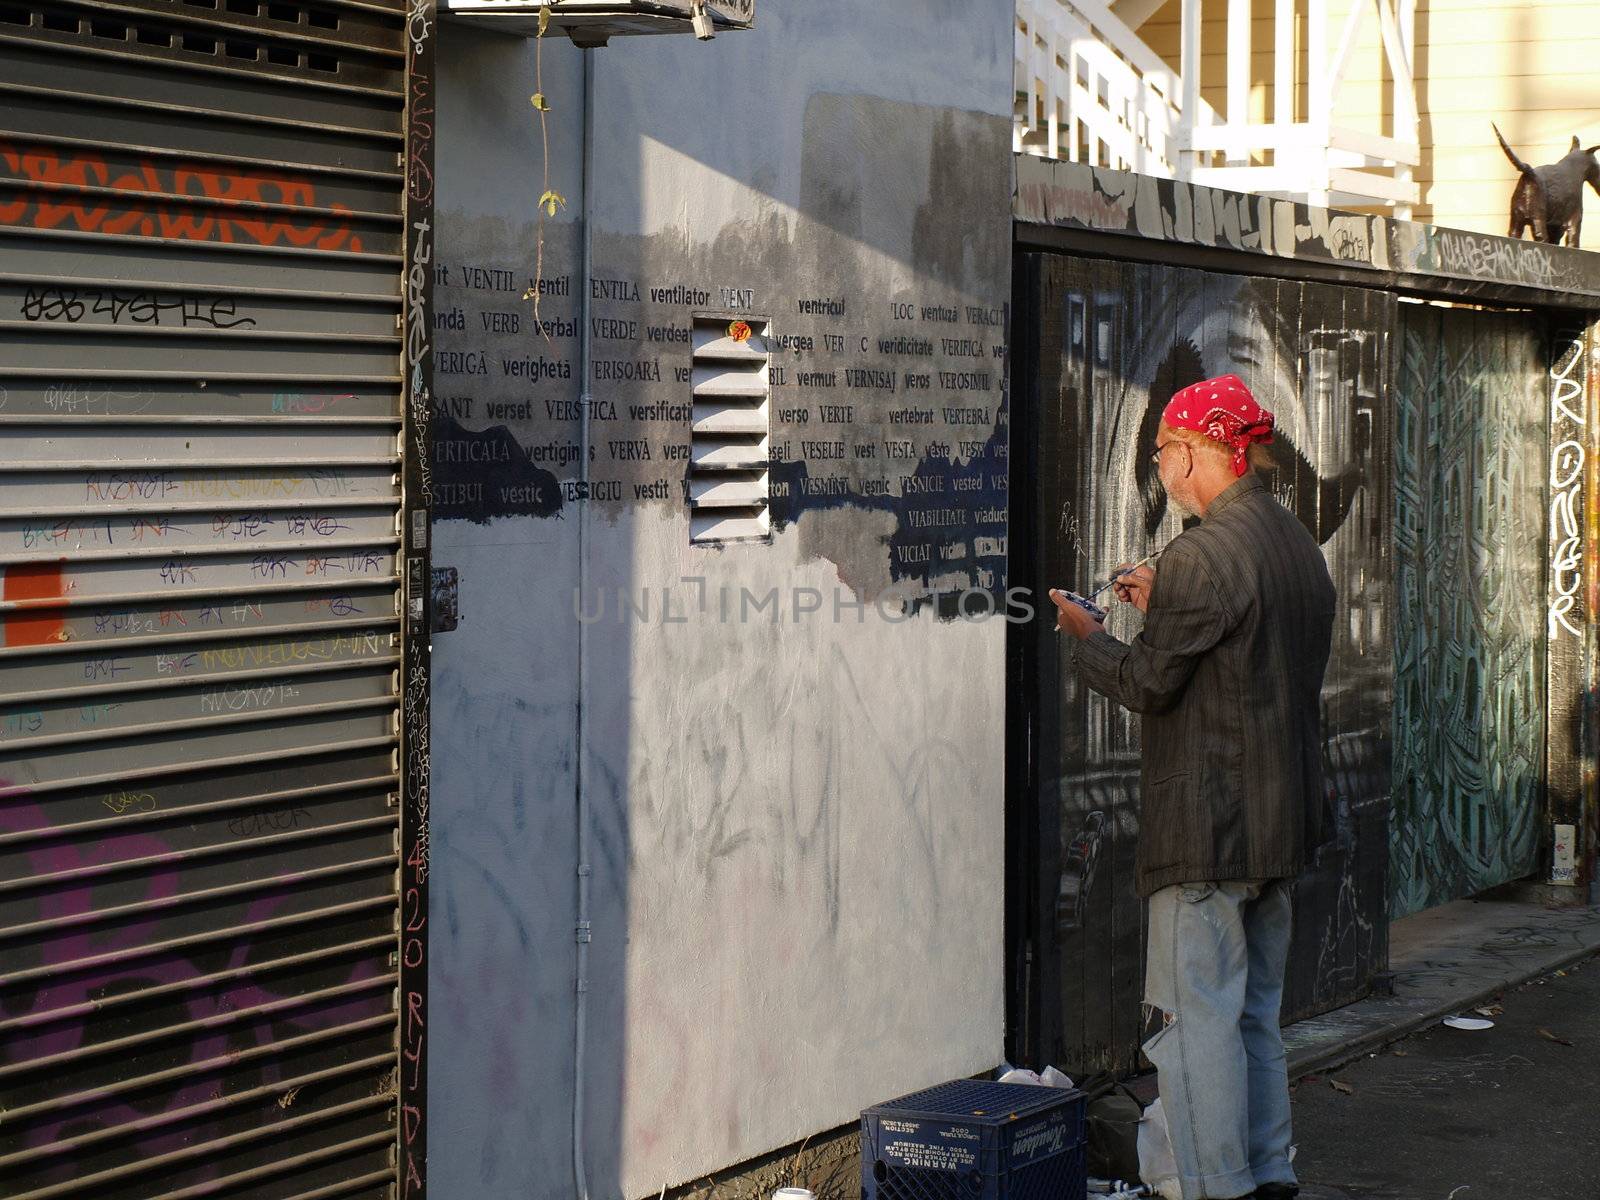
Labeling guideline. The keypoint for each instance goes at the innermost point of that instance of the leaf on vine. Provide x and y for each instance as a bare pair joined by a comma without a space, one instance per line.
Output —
539,102
544,19
552,201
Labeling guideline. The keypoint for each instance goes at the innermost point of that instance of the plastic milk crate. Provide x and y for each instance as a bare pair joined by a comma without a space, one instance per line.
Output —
970,1140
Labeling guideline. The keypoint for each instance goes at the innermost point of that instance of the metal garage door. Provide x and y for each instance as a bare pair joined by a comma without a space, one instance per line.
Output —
201,243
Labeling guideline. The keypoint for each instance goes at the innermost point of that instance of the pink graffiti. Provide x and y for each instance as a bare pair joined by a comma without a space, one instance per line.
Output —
63,1006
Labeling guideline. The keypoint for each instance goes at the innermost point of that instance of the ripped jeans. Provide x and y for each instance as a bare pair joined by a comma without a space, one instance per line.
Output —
1215,965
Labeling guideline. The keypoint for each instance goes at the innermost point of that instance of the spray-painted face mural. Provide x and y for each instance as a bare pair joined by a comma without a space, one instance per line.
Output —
1319,383
1116,341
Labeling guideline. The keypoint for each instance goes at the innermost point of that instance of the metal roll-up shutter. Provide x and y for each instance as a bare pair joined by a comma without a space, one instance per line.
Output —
201,244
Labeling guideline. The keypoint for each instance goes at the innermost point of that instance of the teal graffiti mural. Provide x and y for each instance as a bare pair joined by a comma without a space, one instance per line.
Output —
1472,447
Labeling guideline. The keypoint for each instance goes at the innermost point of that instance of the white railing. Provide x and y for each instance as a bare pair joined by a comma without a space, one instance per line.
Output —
1304,154
1089,89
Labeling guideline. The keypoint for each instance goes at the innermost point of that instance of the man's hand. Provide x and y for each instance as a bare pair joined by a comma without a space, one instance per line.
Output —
1134,587
1072,619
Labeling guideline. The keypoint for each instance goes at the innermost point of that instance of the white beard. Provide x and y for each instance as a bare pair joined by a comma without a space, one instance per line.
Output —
1181,506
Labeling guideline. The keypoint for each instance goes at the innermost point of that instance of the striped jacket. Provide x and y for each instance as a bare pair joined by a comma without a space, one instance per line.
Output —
1228,675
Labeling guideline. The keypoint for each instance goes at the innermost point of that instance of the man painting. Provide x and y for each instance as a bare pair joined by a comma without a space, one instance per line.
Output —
1227,673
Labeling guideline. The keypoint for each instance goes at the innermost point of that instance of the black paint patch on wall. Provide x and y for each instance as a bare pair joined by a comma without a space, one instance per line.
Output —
482,474
950,514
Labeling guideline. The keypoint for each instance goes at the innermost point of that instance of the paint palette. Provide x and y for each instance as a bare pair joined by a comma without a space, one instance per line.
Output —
1088,606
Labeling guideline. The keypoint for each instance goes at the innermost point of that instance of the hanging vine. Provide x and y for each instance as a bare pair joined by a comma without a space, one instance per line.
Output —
550,200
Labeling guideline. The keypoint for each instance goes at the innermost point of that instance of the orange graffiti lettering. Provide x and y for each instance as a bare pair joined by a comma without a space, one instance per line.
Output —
53,205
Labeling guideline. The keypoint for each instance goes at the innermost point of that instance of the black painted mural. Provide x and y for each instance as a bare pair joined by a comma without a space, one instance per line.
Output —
1101,346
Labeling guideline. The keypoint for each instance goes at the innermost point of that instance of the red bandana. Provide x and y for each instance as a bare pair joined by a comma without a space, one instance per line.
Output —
1224,410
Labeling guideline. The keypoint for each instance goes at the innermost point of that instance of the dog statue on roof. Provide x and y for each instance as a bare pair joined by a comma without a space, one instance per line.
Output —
1550,198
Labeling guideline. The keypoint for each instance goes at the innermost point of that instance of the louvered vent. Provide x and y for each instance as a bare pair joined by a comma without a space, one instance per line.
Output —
728,464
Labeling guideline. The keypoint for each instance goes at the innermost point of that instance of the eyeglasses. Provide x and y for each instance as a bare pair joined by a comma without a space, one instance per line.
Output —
1155,459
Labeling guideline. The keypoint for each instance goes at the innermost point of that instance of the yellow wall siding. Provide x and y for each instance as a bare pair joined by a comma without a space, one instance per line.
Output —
1532,67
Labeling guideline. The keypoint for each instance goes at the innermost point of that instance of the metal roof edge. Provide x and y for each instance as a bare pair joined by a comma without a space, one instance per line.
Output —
1426,259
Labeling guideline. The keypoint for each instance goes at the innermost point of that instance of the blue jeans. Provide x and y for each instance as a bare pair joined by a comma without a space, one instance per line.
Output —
1217,954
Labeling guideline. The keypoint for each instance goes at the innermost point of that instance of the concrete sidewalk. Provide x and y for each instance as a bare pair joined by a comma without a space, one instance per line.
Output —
1445,961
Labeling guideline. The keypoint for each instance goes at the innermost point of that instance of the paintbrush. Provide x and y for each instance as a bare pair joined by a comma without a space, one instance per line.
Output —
1116,575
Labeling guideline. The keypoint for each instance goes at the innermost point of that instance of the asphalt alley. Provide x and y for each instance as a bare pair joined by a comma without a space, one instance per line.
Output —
1506,1113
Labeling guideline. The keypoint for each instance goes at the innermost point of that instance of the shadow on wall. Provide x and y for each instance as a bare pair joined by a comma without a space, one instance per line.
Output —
509,687
1422,58
843,86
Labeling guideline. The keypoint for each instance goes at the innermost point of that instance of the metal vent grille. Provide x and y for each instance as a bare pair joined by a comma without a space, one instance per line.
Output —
728,488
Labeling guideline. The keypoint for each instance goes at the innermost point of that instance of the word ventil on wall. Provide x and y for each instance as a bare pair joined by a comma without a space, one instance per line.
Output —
896,406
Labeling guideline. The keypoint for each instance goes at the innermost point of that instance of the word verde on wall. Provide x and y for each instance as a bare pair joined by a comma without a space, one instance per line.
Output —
890,407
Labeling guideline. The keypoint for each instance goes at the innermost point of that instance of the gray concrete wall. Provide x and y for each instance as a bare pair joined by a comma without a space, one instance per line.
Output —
795,817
